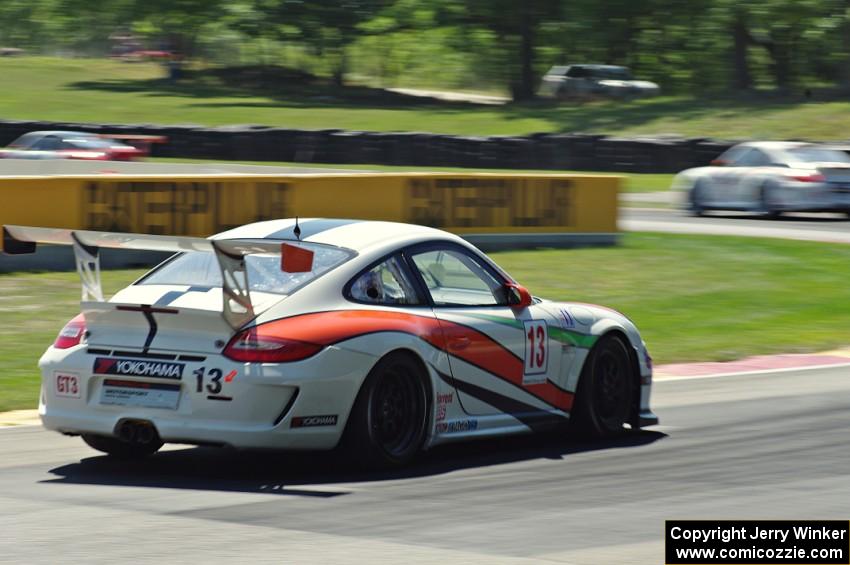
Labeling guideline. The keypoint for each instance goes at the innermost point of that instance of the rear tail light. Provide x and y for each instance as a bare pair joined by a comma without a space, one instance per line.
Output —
261,344
814,177
72,334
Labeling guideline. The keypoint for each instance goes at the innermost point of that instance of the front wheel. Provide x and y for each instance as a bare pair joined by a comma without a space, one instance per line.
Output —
605,390
389,420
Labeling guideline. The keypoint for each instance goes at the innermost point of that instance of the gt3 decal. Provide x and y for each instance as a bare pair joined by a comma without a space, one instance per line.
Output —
138,368
67,384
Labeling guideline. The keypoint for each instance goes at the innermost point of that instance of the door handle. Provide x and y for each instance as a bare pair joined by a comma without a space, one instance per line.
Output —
459,343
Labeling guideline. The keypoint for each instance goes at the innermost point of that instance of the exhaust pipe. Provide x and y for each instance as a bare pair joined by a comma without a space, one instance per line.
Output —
127,431
145,433
137,431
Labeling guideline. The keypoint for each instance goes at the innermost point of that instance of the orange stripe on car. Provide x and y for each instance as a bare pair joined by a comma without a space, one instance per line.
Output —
458,340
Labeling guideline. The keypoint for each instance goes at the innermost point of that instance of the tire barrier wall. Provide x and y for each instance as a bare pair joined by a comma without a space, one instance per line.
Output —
493,211
536,151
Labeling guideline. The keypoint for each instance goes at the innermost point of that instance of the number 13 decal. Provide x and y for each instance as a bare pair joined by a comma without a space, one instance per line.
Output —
536,352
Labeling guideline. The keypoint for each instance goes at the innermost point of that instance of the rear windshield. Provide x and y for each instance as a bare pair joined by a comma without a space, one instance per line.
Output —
264,273
818,155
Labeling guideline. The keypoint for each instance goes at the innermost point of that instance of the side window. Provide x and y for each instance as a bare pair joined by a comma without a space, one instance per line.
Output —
754,158
48,143
732,155
386,283
456,279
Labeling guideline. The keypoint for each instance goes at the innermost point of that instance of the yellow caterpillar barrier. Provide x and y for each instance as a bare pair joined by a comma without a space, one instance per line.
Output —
494,209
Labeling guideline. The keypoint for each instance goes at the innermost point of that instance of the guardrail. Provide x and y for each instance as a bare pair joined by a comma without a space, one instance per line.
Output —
536,151
493,211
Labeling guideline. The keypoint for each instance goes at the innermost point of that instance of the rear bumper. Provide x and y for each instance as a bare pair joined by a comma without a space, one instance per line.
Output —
254,409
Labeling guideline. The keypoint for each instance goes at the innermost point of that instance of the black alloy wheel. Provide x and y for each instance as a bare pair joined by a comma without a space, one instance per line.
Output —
606,390
696,199
768,197
389,420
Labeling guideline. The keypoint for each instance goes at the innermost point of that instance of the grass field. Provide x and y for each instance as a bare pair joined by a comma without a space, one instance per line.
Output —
693,297
634,182
97,90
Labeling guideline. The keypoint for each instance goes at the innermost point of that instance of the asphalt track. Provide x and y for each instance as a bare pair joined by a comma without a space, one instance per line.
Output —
757,446
824,227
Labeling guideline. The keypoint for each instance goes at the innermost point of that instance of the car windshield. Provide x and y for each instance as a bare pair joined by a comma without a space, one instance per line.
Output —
26,140
812,154
264,272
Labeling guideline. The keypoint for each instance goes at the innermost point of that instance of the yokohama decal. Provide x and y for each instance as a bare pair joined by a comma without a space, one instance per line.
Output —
137,368
328,328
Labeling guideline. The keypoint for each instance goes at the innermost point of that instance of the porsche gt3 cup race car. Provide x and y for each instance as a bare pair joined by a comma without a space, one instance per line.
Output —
75,145
770,177
390,338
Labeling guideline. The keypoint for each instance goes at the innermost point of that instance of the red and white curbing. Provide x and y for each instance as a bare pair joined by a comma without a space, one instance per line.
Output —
752,365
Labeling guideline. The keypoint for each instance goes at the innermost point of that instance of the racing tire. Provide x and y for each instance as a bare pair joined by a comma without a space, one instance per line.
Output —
120,449
768,210
605,394
389,421
697,208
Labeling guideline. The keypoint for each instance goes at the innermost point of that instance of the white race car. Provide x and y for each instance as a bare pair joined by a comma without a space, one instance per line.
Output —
769,177
389,337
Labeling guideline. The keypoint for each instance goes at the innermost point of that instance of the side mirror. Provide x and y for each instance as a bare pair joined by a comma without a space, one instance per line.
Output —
719,162
518,296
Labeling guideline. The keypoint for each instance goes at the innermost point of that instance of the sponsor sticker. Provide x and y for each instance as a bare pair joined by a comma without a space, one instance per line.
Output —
138,368
442,401
313,421
569,322
454,426
66,384
134,393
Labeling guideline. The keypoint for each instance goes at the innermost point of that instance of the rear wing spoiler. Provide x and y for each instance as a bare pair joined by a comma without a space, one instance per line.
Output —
236,297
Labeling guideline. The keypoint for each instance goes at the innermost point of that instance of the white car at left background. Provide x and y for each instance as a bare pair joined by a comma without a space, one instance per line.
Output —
769,177
390,338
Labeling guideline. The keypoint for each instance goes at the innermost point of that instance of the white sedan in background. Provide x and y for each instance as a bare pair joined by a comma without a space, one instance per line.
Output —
769,177
391,338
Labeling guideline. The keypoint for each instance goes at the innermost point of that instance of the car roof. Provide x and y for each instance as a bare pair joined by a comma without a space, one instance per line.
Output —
358,235
599,67
563,68
774,145
62,133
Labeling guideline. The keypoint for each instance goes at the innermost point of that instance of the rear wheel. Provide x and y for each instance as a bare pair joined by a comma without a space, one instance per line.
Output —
605,390
697,196
121,449
388,423
768,206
